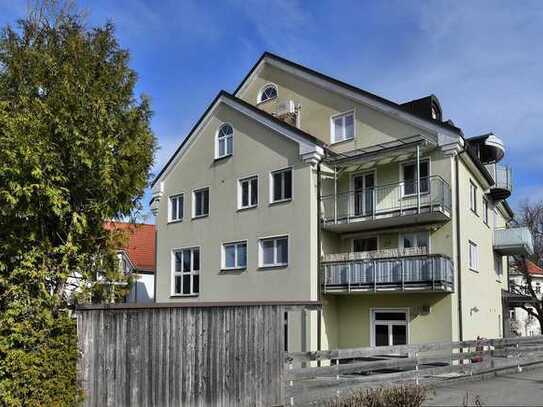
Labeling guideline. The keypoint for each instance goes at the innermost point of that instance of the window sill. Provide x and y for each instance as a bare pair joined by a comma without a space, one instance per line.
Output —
281,201
246,208
474,212
233,270
263,102
222,158
335,143
475,271
200,217
171,222
273,267
183,295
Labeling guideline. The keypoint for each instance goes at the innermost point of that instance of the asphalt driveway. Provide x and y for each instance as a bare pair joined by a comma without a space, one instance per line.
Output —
508,389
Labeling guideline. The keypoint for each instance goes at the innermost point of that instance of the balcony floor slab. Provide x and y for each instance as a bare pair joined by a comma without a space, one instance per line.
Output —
387,220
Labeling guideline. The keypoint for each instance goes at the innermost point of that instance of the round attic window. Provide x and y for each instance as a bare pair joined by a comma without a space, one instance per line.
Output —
268,92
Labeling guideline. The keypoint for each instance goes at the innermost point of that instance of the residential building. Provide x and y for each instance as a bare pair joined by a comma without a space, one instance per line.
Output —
137,258
522,323
300,187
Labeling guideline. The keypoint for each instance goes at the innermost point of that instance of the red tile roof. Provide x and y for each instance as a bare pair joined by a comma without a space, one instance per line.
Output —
533,268
140,246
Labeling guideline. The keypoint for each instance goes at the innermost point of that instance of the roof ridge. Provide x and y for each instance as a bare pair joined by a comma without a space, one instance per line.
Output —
346,85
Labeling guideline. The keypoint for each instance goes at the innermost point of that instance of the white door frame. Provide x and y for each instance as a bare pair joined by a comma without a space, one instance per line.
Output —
372,321
362,174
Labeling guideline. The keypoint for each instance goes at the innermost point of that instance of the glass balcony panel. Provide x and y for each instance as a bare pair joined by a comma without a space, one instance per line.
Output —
345,273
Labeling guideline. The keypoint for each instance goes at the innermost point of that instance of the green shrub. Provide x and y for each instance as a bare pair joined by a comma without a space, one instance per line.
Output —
38,356
396,396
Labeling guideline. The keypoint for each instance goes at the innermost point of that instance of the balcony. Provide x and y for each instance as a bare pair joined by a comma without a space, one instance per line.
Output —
408,271
503,181
513,241
397,204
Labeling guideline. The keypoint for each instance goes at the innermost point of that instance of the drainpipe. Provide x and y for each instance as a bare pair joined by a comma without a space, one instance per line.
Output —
458,248
319,311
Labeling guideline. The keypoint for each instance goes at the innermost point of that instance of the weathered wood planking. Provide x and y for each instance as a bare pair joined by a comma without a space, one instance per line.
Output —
191,356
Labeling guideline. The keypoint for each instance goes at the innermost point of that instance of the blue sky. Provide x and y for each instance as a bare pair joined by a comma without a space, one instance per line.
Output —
484,59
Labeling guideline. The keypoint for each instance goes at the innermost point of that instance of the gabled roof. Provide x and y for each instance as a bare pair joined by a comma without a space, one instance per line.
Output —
245,108
140,246
268,56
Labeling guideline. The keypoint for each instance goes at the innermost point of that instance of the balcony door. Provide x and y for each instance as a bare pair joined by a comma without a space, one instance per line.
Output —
363,187
389,327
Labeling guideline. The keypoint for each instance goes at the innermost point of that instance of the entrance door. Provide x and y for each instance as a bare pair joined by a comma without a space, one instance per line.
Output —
389,327
363,194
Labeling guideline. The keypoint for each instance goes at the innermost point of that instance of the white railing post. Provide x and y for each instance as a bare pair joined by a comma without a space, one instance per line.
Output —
291,385
337,378
418,178
349,270
335,194
519,367
416,368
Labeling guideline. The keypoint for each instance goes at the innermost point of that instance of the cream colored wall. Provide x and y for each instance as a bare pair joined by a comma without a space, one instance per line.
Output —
353,316
257,151
481,293
318,105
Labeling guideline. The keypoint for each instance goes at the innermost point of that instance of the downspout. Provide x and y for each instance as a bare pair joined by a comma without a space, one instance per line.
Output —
319,311
458,249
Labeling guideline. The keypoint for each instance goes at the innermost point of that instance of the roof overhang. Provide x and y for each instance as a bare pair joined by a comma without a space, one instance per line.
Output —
400,149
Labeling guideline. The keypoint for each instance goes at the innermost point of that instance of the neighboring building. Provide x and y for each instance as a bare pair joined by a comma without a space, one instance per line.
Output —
137,258
522,323
301,187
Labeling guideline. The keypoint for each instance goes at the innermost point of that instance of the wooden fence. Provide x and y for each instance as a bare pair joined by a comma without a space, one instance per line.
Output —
183,354
348,370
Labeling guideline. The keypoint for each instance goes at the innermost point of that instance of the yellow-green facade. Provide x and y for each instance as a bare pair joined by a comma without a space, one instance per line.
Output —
345,319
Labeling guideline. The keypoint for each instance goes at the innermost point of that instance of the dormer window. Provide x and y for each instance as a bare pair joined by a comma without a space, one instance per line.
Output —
224,144
268,92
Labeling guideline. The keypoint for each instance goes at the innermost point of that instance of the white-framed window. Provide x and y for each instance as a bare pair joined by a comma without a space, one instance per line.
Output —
473,256
537,288
186,271
409,177
224,144
176,204
281,185
273,251
342,127
485,211
498,266
234,256
473,197
200,203
268,92
415,239
248,192
365,244
390,327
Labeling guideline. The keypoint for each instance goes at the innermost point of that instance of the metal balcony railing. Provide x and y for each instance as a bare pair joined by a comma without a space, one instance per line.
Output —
502,175
513,241
396,199
431,272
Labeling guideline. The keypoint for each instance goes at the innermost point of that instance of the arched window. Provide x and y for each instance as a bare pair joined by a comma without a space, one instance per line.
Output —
224,145
268,92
